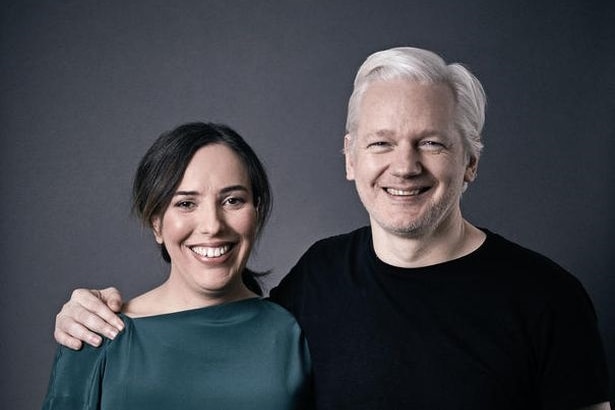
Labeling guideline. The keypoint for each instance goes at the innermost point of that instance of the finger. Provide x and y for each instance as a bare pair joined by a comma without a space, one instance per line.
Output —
86,307
95,322
71,334
84,315
65,339
112,297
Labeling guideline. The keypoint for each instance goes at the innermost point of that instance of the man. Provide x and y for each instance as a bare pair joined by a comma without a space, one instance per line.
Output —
422,310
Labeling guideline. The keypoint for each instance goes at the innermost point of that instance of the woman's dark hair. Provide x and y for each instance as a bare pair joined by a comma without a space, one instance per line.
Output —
162,168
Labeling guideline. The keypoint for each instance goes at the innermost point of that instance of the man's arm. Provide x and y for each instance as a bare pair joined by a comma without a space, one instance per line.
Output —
88,313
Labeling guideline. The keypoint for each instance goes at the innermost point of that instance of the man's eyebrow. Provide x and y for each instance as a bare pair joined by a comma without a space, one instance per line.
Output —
423,134
381,133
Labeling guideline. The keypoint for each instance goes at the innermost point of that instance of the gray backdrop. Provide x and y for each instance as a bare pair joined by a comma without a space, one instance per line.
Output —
86,86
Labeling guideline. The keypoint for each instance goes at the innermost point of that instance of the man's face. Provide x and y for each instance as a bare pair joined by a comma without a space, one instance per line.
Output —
407,158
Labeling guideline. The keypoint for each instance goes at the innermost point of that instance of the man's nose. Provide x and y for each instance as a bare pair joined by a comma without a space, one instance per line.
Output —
406,161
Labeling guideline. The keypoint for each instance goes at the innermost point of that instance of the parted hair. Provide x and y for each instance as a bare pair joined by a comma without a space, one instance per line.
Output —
161,170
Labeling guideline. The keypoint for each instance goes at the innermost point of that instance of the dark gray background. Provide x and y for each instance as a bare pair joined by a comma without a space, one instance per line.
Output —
86,86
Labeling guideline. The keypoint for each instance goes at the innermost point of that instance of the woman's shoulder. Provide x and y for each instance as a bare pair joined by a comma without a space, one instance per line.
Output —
145,304
275,313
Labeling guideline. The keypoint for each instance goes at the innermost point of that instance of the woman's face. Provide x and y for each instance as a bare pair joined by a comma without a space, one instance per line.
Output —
209,226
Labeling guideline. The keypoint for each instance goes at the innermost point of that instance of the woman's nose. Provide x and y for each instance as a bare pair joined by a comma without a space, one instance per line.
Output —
211,219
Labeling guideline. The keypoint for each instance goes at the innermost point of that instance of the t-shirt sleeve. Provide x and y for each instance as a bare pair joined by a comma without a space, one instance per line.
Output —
573,362
76,378
282,294
288,293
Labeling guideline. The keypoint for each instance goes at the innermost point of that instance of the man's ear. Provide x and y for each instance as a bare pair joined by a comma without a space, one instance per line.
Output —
471,170
348,155
157,229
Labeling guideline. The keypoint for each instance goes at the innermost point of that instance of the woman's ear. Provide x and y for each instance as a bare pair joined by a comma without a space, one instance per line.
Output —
157,229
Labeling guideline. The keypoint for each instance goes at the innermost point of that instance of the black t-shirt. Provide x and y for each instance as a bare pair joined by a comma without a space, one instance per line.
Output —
500,328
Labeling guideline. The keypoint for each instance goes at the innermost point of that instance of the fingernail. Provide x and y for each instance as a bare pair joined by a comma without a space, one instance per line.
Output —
111,334
95,340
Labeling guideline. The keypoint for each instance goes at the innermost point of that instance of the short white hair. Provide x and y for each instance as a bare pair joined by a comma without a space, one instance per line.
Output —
426,67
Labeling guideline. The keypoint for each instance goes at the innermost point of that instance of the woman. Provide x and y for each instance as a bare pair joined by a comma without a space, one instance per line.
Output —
204,338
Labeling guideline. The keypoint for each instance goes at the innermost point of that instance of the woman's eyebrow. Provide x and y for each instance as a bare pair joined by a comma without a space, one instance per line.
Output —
186,193
224,190
233,188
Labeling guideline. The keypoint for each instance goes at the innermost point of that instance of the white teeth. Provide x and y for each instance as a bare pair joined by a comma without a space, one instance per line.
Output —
211,252
401,192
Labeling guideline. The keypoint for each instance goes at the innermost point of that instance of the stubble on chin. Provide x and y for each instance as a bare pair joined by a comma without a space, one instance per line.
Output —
418,226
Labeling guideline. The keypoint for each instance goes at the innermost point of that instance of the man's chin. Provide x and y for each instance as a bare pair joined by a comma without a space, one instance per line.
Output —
403,230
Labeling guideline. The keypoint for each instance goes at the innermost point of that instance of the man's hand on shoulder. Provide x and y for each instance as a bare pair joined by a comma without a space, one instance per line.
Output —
88,314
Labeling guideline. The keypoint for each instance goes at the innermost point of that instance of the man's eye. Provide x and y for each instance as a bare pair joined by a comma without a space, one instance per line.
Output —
377,144
432,145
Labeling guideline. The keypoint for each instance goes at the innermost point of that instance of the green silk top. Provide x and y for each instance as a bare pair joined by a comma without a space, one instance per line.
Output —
249,354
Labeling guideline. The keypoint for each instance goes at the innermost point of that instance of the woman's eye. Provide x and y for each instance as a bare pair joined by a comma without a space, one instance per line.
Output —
185,204
234,201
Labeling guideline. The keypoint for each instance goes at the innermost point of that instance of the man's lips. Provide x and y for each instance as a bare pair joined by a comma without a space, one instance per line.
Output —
405,192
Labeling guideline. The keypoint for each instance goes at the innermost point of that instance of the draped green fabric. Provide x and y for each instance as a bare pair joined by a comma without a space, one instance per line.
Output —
249,354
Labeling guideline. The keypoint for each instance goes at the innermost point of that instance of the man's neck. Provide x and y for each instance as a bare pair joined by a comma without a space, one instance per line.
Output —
440,245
